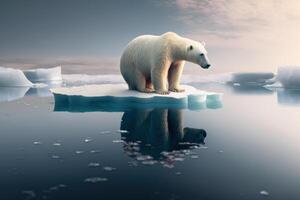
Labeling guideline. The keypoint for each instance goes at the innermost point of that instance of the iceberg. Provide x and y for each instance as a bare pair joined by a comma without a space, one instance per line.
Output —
117,98
289,76
13,78
43,74
251,78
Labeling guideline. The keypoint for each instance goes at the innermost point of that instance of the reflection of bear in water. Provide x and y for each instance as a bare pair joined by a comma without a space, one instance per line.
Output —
158,130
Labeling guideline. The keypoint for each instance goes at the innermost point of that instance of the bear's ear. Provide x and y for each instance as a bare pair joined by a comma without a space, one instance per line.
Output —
203,43
190,48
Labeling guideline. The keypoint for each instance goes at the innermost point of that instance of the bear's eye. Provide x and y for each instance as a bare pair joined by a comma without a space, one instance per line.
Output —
191,47
201,54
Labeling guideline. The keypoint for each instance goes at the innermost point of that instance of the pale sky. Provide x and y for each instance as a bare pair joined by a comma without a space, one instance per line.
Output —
240,35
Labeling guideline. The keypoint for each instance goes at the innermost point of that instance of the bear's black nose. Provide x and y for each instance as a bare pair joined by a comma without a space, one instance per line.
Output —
207,66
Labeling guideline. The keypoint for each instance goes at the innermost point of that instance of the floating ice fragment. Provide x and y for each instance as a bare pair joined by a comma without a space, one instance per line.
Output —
79,152
194,156
167,165
109,168
149,162
95,151
43,74
289,76
87,140
251,78
105,132
55,157
37,142
95,179
118,141
56,144
122,131
13,78
264,193
142,157
29,193
94,164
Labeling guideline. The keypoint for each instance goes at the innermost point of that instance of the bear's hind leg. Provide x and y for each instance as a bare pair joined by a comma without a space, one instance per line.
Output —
140,83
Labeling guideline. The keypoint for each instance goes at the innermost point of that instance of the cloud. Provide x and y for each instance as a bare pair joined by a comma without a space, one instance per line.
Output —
269,28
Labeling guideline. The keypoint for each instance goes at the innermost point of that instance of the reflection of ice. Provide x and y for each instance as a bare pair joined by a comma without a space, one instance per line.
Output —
288,97
158,135
12,93
43,91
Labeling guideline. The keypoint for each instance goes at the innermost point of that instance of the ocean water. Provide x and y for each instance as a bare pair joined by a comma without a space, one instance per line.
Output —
246,148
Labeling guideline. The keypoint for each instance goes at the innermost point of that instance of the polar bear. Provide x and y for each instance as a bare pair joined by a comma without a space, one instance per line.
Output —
152,63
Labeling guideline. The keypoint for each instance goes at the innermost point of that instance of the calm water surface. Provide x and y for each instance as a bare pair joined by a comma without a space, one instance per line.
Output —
248,148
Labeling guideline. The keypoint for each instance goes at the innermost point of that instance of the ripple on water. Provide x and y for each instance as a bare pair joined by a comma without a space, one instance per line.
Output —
107,168
264,193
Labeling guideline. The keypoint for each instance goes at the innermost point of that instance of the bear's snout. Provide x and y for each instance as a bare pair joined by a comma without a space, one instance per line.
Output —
206,66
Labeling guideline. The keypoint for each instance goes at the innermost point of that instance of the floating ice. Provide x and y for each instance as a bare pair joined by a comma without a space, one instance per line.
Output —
56,144
251,78
117,97
95,179
289,76
37,142
94,164
107,168
264,193
13,78
44,74
79,152
87,140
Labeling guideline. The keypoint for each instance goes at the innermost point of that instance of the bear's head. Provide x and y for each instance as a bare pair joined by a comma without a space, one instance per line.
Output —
196,53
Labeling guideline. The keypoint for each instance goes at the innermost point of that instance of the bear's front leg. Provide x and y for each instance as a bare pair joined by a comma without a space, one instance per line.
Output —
174,76
159,77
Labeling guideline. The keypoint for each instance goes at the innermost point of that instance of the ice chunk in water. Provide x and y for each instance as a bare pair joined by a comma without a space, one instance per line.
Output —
44,74
289,76
252,78
264,193
117,97
94,164
13,78
95,179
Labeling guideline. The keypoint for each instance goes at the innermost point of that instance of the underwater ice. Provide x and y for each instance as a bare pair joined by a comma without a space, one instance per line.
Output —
13,78
44,74
289,76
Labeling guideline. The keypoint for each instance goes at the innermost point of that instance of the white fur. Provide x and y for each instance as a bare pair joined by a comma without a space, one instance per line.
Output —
155,63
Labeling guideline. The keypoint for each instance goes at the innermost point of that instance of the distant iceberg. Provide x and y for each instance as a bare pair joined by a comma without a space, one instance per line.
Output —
44,74
289,76
251,78
13,78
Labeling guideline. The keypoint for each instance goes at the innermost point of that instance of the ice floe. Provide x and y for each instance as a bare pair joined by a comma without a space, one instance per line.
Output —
44,74
251,78
117,97
13,78
289,76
